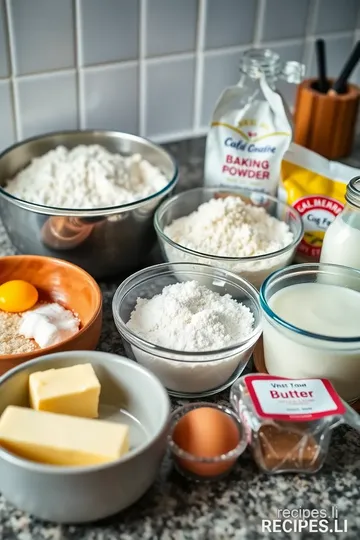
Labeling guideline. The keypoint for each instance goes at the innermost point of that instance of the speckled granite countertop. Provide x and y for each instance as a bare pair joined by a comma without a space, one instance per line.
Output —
175,509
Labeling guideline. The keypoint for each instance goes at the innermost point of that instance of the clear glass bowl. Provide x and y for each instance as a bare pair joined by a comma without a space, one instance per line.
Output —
254,269
294,353
186,374
205,469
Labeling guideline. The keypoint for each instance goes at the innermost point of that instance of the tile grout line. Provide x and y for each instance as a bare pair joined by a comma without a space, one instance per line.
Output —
13,82
210,53
199,63
214,53
179,56
329,35
357,69
312,15
174,136
7,42
171,58
116,64
45,74
94,67
312,18
357,28
142,82
79,62
273,43
259,23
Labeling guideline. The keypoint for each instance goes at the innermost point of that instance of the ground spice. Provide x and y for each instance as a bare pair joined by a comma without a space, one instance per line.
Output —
285,439
11,341
287,447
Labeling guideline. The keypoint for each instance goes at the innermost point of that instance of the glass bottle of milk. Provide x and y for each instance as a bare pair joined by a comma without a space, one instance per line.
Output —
341,243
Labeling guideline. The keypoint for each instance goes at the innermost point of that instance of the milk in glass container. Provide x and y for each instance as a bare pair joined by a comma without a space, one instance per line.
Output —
341,243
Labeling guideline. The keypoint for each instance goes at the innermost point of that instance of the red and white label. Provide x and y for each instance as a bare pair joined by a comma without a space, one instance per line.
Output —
298,400
317,213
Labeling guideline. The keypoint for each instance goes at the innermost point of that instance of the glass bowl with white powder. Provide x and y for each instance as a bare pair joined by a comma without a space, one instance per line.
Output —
246,232
196,338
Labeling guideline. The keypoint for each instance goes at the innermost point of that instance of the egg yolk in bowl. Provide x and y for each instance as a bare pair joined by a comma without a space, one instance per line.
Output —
17,296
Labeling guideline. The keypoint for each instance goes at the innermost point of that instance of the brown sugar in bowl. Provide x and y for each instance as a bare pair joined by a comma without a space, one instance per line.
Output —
57,281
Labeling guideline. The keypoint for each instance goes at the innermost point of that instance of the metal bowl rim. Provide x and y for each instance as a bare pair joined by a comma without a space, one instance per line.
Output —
87,212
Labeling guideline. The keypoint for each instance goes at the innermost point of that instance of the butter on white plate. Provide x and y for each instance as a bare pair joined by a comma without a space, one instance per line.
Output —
74,391
57,439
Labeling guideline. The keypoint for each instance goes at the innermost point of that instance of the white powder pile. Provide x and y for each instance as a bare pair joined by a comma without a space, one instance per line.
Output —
49,324
86,177
188,316
229,227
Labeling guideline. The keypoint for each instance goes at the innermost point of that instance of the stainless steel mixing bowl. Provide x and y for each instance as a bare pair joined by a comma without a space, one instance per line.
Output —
103,241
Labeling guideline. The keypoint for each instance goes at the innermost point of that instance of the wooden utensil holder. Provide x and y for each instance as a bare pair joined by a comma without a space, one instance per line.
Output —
325,123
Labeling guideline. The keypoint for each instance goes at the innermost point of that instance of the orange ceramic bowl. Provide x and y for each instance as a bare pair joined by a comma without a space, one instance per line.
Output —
62,282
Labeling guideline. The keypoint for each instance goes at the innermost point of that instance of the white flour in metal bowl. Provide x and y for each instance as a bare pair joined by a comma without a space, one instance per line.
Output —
86,177
189,317
229,227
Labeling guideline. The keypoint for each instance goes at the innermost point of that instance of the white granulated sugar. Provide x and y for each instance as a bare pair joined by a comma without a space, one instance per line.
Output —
190,317
228,227
86,177
49,324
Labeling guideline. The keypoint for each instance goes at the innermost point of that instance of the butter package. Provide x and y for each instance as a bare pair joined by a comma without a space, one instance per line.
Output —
289,421
315,187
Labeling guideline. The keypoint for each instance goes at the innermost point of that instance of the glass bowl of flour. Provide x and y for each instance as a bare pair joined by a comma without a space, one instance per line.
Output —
246,232
196,338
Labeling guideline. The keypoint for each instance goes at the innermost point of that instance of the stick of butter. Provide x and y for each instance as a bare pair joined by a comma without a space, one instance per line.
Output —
57,439
72,390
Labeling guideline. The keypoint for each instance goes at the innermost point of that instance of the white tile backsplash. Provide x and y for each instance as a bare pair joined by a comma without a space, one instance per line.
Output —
47,103
229,22
111,98
220,71
170,26
336,16
109,30
170,96
285,19
43,35
152,67
4,53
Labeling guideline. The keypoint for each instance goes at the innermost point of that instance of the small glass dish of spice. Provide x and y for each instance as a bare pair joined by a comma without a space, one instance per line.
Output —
289,421
205,440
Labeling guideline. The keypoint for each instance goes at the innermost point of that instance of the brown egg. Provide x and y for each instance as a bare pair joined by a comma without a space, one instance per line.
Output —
206,433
